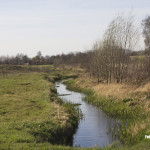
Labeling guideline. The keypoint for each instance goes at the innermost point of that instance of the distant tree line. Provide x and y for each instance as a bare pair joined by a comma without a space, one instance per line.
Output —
112,59
21,59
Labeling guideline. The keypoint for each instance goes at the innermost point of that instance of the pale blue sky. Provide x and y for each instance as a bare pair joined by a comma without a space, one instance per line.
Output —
56,26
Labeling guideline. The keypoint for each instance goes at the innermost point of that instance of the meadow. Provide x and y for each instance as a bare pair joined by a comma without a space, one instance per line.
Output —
31,112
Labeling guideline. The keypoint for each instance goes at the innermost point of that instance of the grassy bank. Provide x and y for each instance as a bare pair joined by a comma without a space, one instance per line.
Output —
31,113
135,120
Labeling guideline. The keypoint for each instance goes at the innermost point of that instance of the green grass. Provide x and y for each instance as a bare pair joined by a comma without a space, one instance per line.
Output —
47,146
6,70
63,74
40,68
30,112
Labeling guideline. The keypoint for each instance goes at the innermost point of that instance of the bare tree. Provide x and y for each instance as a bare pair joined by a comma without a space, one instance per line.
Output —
111,57
146,32
146,35
121,32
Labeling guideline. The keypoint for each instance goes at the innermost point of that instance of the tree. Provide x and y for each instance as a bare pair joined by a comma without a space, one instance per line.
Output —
146,35
121,32
112,54
146,31
39,55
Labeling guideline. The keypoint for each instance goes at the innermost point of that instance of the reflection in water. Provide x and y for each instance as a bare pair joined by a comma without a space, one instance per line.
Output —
95,128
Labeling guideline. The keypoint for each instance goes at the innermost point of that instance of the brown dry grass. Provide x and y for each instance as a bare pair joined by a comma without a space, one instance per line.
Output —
140,94
118,91
135,128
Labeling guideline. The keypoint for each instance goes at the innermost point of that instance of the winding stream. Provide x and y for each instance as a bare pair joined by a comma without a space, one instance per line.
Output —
95,129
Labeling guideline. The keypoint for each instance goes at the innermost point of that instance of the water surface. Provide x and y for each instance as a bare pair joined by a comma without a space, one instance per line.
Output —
95,129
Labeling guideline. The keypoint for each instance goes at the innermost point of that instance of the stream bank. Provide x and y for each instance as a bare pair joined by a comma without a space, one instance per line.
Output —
132,130
96,128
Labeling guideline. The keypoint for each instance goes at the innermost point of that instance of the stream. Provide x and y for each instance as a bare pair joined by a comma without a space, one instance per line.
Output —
95,129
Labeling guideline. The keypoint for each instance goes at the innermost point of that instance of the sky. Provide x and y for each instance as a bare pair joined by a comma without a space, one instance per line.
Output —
60,26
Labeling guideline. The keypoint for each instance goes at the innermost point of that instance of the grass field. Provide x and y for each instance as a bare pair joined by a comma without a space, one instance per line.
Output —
30,112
